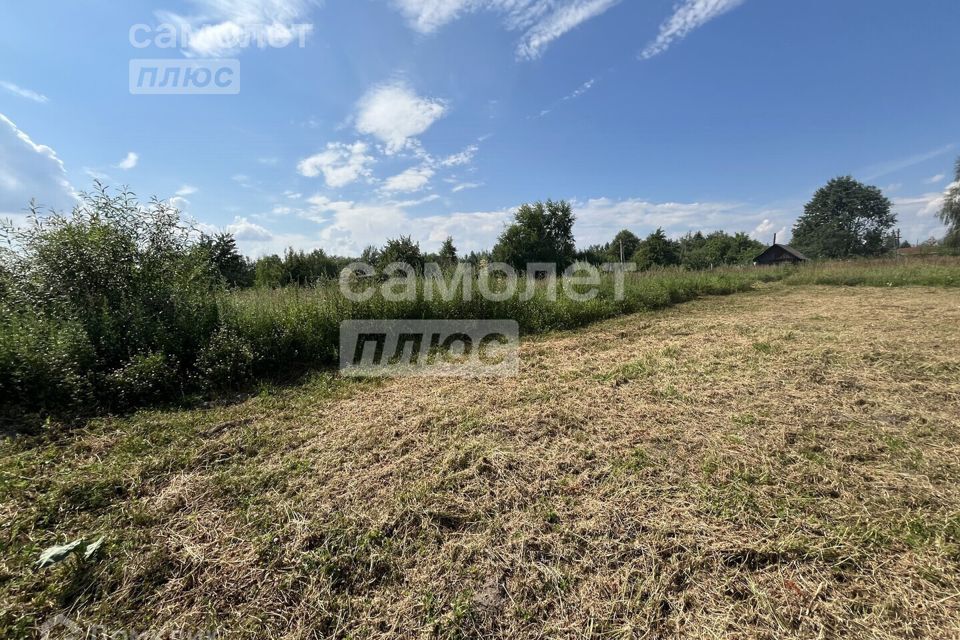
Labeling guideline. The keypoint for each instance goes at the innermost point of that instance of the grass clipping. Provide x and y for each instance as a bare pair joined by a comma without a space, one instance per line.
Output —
783,463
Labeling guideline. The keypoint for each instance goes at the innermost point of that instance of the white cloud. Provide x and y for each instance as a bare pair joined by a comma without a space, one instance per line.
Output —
340,164
463,186
937,179
413,179
687,17
223,28
29,170
186,190
767,230
179,203
244,230
541,21
128,162
563,19
599,219
348,227
96,174
427,16
886,168
582,89
462,158
24,93
395,114
918,217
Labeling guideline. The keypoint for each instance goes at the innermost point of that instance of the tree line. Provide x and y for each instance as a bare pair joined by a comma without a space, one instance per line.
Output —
844,219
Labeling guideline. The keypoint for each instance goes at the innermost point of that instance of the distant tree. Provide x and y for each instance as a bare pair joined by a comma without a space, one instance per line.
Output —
448,253
268,272
476,258
719,248
845,218
303,269
625,240
905,245
950,214
657,250
402,249
235,269
594,254
541,232
370,255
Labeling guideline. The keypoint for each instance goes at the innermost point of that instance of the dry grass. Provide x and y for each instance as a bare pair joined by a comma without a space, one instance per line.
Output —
783,463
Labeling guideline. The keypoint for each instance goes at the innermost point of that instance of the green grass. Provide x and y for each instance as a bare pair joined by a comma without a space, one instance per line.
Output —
296,328
268,335
553,501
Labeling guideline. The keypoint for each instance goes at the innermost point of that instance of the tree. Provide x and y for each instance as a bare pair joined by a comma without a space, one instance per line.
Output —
448,253
370,255
657,250
541,232
404,250
268,272
950,214
594,254
844,219
625,240
235,270
719,248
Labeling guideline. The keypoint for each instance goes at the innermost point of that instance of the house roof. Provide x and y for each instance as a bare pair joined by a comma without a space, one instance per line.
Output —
796,254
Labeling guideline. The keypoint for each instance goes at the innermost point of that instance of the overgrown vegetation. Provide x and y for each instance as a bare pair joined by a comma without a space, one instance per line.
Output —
109,307
119,305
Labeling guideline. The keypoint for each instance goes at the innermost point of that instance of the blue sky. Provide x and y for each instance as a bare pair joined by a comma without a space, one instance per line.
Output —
437,117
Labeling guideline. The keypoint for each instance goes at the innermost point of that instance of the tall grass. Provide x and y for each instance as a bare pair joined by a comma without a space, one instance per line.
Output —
50,363
299,327
932,271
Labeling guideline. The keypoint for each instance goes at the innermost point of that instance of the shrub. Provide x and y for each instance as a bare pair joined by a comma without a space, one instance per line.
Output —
123,279
44,365
227,361
144,379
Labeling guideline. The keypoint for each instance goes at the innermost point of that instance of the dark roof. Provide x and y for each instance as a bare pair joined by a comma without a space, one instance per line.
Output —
796,254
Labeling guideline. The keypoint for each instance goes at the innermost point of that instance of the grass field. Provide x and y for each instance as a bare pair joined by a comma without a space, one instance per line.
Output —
777,463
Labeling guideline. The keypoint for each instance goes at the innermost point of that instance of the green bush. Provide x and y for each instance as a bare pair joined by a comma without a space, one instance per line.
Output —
45,365
90,293
227,361
143,380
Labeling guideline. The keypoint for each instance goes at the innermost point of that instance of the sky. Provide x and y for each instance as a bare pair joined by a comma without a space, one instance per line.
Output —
355,121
